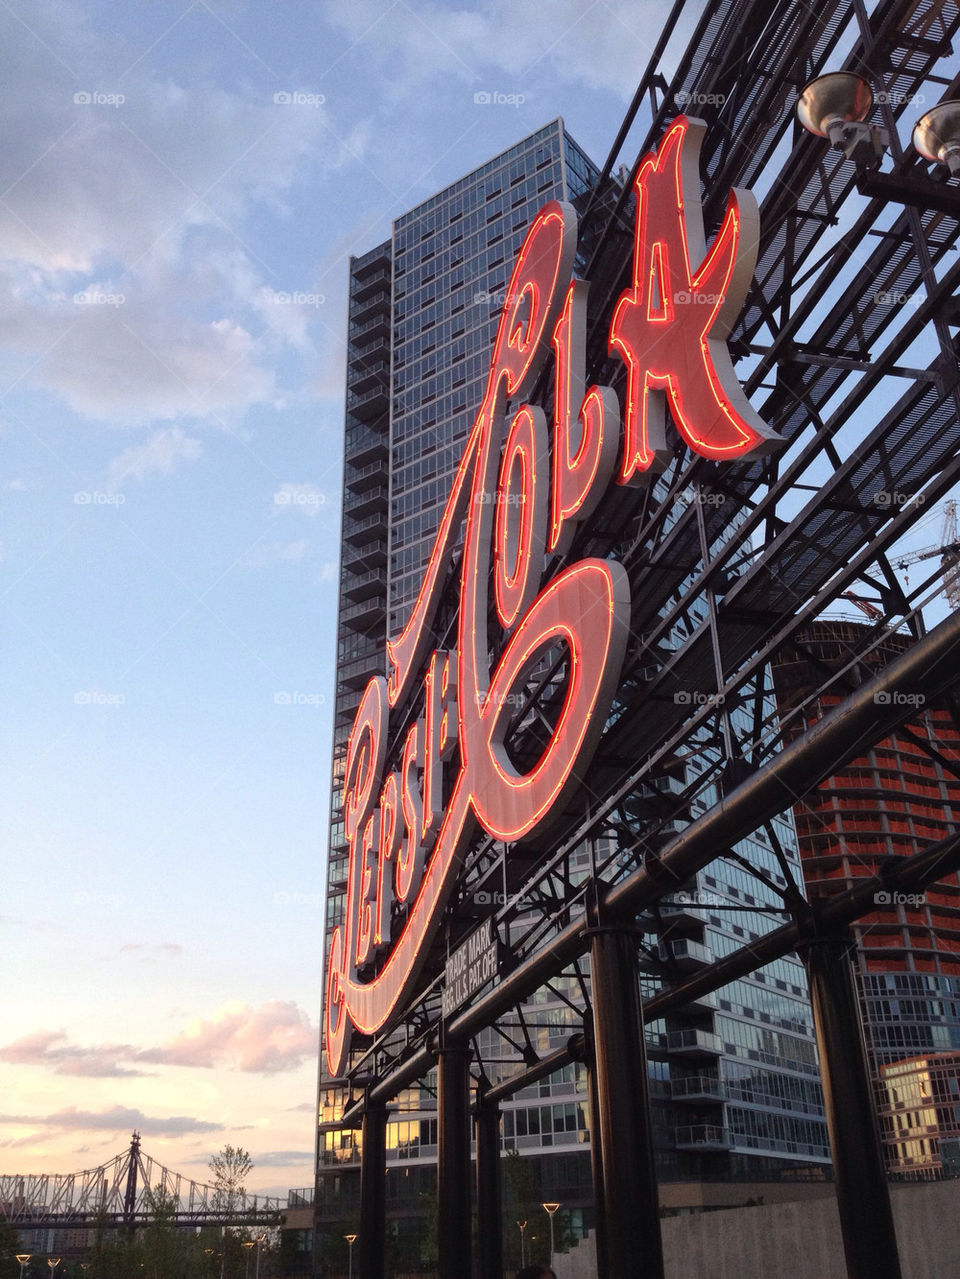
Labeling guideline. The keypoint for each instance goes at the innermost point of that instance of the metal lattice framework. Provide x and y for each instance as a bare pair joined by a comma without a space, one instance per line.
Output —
847,348
126,1192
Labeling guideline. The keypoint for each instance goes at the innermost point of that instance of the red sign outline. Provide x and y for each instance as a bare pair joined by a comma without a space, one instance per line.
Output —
581,615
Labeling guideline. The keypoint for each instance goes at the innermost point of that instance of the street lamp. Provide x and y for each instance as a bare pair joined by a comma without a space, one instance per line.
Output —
260,1239
550,1210
351,1240
53,1262
23,1258
523,1248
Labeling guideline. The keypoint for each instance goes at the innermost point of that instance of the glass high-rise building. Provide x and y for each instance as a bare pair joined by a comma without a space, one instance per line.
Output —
735,1074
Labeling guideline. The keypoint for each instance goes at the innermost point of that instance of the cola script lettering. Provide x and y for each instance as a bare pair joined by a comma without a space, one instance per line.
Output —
408,831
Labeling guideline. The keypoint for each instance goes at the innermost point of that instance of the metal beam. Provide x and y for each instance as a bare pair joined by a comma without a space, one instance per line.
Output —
863,1197
628,1224
454,1229
489,1202
373,1197
871,713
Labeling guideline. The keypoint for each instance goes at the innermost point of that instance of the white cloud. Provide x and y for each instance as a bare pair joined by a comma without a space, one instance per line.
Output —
160,453
116,1119
275,1037
141,210
605,45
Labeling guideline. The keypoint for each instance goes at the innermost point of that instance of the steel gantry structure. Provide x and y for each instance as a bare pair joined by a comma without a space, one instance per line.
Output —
847,348
125,1193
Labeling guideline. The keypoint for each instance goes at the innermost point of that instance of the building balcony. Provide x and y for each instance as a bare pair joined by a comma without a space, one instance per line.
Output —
366,502
369,555
357,674
364,309
369,372
371,475
370,528
364,446
656,1046
683,917
365,335
688,956
364,615
702,1137
694,1043
369,403
697,1089
377,277
365,585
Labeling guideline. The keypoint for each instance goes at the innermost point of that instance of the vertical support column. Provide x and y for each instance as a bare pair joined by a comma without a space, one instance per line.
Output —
373,1199
863,1196
628,1228
489,1202
453,1163
585,1054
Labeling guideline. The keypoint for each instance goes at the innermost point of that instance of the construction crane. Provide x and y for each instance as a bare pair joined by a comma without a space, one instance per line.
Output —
949,552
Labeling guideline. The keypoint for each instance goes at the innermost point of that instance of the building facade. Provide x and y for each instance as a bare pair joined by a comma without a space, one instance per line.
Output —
895,800
734,1075
920,1110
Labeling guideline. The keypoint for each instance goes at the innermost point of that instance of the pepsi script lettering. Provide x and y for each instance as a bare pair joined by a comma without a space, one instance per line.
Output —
520,503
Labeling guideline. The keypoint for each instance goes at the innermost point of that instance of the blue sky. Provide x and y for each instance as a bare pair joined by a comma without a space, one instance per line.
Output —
180,187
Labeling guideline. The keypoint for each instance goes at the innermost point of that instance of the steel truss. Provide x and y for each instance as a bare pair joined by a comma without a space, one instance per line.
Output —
847,348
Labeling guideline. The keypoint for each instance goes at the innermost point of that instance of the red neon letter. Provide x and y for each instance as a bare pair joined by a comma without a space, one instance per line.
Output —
671,327
521,517
581,470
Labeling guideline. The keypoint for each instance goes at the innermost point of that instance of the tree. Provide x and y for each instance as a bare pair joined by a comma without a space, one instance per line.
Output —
9,1247
230,1169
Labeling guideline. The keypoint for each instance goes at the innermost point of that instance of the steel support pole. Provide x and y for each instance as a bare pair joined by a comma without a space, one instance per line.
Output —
453,1163
596,1158
628,1228
489,1202
373,1199
863,1196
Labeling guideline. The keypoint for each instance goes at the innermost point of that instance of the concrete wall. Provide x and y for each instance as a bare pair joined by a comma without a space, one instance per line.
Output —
796,1240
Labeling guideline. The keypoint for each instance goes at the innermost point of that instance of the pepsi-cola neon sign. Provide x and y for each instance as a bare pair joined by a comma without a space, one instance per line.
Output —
408,830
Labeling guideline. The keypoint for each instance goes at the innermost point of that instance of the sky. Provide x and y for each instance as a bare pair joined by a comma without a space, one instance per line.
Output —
181,186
